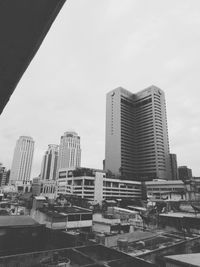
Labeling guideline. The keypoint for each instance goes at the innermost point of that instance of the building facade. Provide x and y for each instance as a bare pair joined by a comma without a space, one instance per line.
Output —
137,146
49,163
69,151
160,189
174,167
49,188
22,160
184,173
93,185
4,175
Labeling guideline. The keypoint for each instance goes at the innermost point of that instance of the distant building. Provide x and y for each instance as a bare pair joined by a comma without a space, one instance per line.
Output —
36,186
165,190
69,151
49,163
7,177
180,221
48,188
4,174
174,167
137,146
22,160
93,185
184,173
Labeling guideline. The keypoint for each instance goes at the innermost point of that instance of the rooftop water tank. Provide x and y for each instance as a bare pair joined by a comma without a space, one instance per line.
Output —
122,244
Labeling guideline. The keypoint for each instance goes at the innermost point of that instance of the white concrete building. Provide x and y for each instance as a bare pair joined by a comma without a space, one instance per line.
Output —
93,185
22,161
63,218
159,189
48,188
49,163
137,144
69,151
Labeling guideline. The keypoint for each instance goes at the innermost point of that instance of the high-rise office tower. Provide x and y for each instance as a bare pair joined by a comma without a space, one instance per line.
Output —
49,163
3,175
22,160
184,173
174,167
69,151
137,144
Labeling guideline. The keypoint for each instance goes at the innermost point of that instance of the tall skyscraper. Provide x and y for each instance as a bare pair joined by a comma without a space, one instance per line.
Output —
22,160
137,146
49,163
69,151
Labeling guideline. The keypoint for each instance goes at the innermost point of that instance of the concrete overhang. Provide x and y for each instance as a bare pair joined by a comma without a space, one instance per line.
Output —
23,26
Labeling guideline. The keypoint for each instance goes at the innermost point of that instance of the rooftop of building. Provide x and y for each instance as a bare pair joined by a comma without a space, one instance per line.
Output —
151,87
189,259
162,182
21,36
180,215
91,256
17,221
81,171
129,93
142,242
63,211
133,237
90,172
26,137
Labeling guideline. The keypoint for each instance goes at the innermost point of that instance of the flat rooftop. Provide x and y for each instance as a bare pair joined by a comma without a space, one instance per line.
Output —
131,237
90,256
59,211
191,259
165,182
180,215
18,220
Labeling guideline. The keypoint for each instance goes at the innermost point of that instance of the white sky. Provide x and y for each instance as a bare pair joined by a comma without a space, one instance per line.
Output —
94,47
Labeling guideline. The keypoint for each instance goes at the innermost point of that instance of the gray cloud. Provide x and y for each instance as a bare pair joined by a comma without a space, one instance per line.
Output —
95,46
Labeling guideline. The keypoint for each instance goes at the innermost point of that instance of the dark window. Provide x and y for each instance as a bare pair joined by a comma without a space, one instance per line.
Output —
74,217
85,217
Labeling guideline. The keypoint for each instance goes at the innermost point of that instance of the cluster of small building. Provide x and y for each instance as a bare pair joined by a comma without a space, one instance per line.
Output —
54,230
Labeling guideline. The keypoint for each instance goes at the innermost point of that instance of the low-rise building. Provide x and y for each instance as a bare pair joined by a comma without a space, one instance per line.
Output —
105,225
159,189
19,234
95,186
62,217
180,222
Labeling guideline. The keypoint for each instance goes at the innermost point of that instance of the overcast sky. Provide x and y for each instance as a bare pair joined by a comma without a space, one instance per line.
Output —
94,47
